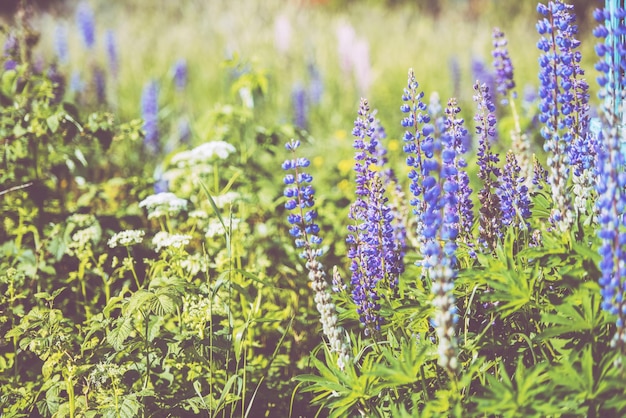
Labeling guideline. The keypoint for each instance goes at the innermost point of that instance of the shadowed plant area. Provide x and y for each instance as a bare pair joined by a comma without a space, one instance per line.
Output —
325,208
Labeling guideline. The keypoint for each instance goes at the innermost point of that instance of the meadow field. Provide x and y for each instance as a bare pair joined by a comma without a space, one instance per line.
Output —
312,208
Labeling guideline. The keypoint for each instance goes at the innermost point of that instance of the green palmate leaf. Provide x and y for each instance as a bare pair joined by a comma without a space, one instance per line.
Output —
122,329
579,313
403,367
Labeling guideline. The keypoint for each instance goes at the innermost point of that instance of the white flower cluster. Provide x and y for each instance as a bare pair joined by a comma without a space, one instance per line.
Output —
216,228
165,240
203,153
225,199
126,238
161,204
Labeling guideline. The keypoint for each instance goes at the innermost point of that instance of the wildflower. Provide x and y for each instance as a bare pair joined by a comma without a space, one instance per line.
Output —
300,106
489,212
282,34
184,130
611,171
563,100
99,84
204,153
346,37
502,64
216,228
150,115
376,256
60,44
316,84
481,73
126,238
76,83
300,203
415,111
86,24
180,74
513,194
164,239
111,49
161,204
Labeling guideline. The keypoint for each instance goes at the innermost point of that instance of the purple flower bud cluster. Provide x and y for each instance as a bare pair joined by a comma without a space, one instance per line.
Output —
60,44
611,204
502,65
612,65
374,251
150,115
513,194
563,101
86,24
490,216
111,49
300,203
300,104
179,71
611,167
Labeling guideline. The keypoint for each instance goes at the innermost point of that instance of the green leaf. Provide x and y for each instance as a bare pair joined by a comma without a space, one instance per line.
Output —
121,331
53,122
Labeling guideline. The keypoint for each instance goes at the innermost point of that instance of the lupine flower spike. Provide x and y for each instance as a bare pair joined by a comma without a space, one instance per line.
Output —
150,115
489,213
376,255
505,85
564,102
611,168
300,203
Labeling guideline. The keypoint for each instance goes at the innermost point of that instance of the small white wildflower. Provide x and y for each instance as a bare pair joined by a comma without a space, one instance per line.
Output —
216,228
225,199
165,239
204,153
126,238
82,220
198,214
163,204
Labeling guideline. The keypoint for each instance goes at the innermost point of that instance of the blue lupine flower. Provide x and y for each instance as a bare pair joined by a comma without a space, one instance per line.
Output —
563,100
611,204
60,44
375,253
455,128
180,74
415,111
150,115
300,203
489,213
86,24
300,106
99,83
611,167
513,194
455,72
76,83
482,73
111,49
502,65
316,84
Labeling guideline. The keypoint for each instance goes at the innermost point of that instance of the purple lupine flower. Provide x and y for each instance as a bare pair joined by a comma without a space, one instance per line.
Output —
611,187
180,74
58,83
455,128
376,255
482,73
300,106
60,44
513,194
455,72
302,218
111,49
540,175
611,168
489,228
316,84
99,83
415,111
150,115
502,65
282,34
86,24
76,83
564,97
441,220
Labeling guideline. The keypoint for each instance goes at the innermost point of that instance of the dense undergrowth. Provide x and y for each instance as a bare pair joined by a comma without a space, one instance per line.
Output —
437,257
